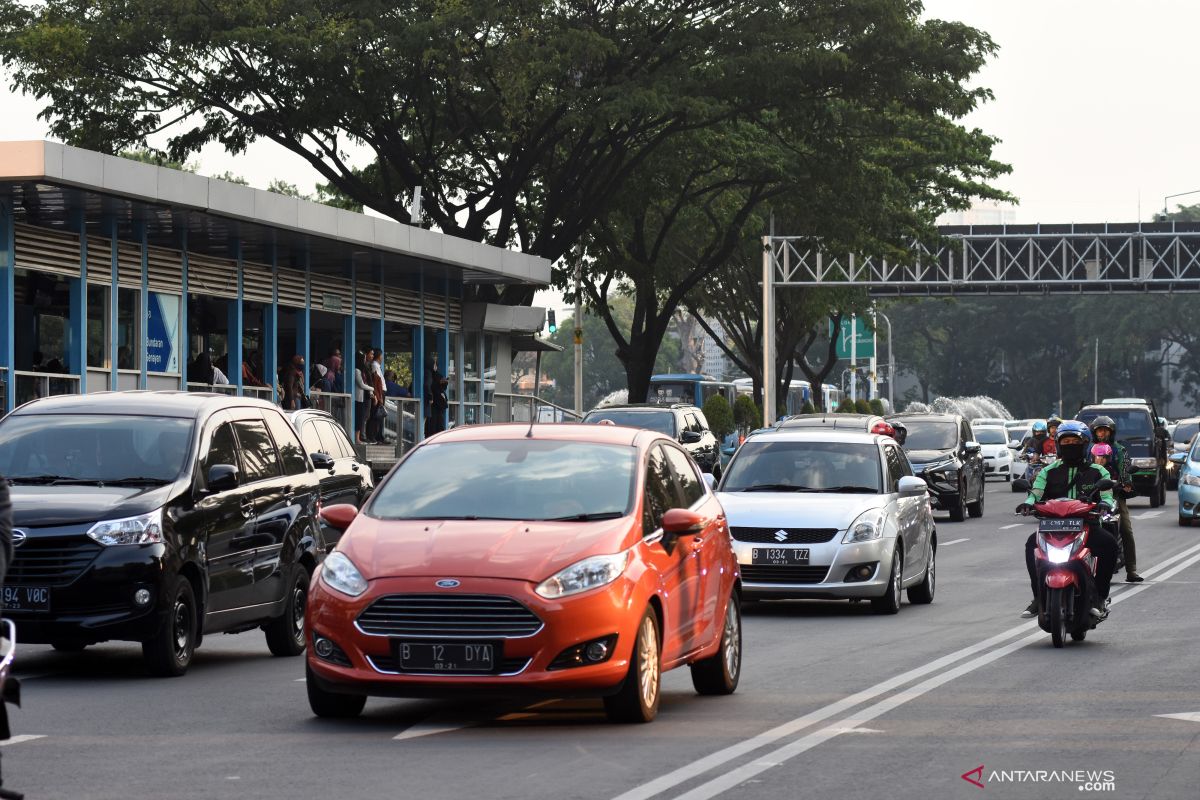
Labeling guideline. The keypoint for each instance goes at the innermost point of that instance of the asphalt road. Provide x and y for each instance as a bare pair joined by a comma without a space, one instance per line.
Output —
834,703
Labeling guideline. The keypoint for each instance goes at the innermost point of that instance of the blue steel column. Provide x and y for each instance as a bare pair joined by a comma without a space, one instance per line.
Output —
350,346
234,360
77,353
143,349
271,326
185,353
303,319
419,357
111,230
8,287
444,343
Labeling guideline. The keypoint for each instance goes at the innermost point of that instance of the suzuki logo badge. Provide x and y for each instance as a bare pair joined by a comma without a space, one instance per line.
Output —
18,537
447,583
781,536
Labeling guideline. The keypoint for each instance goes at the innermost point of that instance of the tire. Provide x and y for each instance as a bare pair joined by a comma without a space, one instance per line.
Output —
169,652
68,647
719,673
332,705
285,633
958,512
922,593
1008,478
889,603
1058,617
637,699
976,509
1079,635
1185,522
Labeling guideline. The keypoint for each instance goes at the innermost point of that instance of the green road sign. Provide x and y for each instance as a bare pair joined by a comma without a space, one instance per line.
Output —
865,348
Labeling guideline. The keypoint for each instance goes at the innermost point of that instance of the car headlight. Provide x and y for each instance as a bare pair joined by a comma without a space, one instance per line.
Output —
581,576
339,573
144,529
941,466
867,527
1191,479
1144,463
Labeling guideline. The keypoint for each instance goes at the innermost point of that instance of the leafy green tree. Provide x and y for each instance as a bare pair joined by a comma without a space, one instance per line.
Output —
148,156
746,414
861,406
808,408
846,406
875,406
719,414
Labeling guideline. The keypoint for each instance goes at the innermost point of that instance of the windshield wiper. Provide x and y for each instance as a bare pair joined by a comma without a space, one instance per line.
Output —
852,489
775,487
53,480
136,481
589,517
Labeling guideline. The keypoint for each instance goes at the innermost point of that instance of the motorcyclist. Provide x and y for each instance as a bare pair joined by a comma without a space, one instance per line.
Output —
1072,475
1036,440
1052,424
1104,430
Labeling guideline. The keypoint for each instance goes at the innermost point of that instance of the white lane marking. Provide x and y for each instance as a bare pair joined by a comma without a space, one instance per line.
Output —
727,754
1191,716
25,737
300,680
433,726
1149,514
1014,525
953,541
734,777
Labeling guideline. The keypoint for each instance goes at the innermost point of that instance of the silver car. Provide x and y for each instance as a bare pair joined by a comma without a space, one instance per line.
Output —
829,514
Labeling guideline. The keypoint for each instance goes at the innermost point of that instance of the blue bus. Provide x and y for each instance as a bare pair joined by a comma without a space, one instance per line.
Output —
688,388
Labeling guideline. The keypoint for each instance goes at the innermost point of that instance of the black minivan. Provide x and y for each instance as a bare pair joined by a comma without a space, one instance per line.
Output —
158,517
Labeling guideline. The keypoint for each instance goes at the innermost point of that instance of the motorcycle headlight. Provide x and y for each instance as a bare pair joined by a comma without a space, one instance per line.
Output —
339,573
145,529
1058,555
583,575
1144,463
1191,479
867,527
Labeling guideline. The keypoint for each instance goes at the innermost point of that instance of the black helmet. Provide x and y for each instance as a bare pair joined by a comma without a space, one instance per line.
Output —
1104,422
1052,420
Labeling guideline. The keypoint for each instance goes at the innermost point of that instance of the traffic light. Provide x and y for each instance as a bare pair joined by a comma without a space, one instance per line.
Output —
551,324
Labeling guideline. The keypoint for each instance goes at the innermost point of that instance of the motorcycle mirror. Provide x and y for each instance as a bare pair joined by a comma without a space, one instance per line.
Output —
1021,485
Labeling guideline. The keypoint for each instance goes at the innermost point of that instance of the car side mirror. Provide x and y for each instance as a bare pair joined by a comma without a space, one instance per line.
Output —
911,484
339,516
710,480
222,478
972,447
690,437
321,460
681,520
1177,458
1021,485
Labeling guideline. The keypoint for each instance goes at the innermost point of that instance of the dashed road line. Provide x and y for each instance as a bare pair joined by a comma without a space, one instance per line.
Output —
24,737
954,541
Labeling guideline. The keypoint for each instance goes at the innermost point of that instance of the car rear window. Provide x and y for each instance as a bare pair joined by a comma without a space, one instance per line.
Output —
94,447
659,421
990,436
518,479
1184,431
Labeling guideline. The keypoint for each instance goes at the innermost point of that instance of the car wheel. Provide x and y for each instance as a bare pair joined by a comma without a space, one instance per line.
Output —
1185,522
1008,478
285,633
169,653
976,509
889,603
637,699
958,509
1162,492
922,593
332,704
720,672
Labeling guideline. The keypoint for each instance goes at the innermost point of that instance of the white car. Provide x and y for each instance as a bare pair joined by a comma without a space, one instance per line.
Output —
997,457
819,513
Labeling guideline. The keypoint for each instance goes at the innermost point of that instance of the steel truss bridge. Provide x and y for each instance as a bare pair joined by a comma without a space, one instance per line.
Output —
992,260
1008,259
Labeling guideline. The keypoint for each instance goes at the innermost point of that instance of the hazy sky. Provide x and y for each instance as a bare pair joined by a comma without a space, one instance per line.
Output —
1094,106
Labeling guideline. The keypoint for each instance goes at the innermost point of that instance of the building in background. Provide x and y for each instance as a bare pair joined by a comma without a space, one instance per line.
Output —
985,212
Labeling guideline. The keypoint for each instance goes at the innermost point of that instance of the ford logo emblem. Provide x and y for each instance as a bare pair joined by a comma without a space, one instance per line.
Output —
447,583
18,537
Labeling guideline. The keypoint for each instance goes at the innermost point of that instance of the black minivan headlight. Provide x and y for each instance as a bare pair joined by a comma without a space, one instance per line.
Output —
143,529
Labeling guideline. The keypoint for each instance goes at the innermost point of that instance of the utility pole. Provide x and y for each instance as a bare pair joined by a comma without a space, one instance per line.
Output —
853,358
579,331
891,380
768,330
1096,374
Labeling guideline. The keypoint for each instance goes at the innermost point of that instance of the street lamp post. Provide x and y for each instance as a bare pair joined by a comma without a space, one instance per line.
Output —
1166,213
891,364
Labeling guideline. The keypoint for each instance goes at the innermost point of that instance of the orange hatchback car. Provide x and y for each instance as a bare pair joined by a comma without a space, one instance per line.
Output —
508,559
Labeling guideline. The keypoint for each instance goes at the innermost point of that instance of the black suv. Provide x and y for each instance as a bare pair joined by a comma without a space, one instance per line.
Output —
683,423
158,517
943,451
1145,443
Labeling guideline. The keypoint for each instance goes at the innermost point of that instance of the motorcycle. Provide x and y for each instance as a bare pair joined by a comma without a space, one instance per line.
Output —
1066,567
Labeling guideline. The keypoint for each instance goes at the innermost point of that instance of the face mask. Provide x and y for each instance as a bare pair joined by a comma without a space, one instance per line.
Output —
1072,453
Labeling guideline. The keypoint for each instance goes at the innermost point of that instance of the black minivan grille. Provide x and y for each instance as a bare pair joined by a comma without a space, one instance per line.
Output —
793,535
448,615
52,560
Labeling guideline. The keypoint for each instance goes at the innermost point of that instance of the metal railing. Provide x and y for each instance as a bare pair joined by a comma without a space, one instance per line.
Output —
32,385
400,426
218,388
529,407
335,403
261,392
